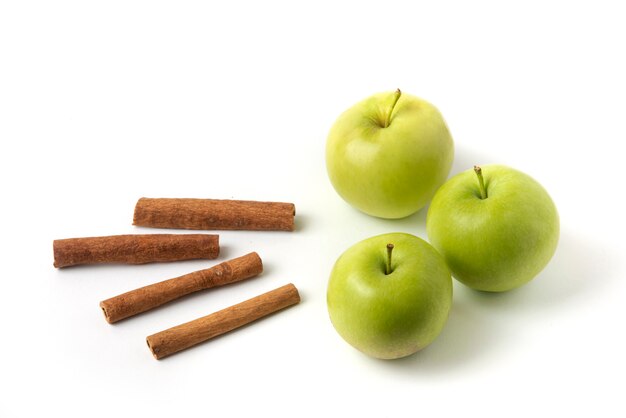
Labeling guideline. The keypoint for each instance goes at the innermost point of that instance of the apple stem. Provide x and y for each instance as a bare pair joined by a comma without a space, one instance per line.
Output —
388,266
481,182
396,97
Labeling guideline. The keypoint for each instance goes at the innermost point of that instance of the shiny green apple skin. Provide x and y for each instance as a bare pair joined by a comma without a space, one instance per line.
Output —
389,316
389,172
497,243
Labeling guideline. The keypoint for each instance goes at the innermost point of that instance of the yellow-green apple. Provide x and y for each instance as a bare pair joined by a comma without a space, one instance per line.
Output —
389,295
388,154
496,227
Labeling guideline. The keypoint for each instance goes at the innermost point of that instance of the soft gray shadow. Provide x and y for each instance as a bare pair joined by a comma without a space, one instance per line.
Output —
301,222
226,251
116,268
268,268
414,224
475,327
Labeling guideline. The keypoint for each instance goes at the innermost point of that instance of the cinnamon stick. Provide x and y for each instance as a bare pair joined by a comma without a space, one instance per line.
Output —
186,335
134,249
149,297
212,214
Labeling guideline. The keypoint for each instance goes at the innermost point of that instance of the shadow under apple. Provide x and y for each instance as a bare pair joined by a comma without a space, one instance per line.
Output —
480,322
577,269
467,337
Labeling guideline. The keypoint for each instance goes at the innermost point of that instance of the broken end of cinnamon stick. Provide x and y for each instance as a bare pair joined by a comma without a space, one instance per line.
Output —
55,263
106,313
154,353
58,254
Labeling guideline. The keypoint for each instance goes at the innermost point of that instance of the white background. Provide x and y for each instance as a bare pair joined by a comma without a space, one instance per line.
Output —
104,102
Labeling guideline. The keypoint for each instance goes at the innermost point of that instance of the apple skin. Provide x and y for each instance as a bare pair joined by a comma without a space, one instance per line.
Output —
389,172
395,315
498,243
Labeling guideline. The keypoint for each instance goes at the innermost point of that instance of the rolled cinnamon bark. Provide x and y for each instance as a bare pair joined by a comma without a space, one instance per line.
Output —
212,214
149,297
134,249
186,335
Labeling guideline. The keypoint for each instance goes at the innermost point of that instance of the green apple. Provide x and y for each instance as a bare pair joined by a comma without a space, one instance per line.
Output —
388,154
389,295
496,227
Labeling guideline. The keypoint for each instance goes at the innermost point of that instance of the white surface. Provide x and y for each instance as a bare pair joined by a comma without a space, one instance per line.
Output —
102,103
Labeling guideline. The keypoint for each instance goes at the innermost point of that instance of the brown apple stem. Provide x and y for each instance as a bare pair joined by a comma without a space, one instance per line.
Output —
388,266
396,97
481,182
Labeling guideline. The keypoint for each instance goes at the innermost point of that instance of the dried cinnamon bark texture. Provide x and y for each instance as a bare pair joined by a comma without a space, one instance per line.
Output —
134,249
186,335
149,297
212,214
